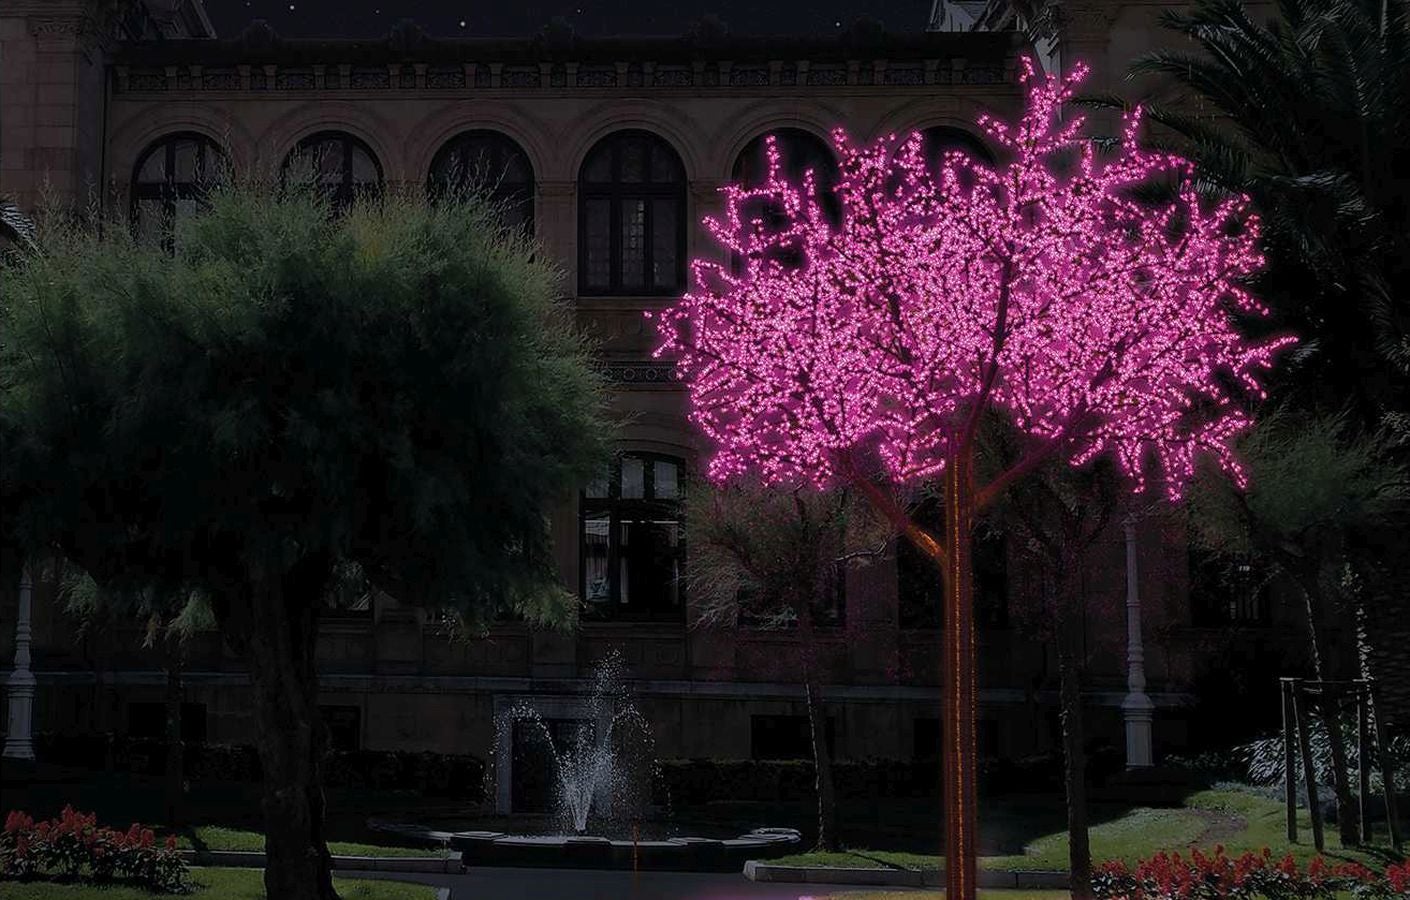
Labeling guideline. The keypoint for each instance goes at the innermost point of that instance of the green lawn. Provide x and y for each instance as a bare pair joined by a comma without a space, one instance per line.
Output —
1238,819
217,884
215,837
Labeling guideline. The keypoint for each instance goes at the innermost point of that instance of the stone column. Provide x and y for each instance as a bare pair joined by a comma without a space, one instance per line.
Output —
19,743
1136,709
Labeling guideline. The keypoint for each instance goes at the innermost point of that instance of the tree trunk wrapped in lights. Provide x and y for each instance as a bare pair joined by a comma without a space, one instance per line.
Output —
1045,291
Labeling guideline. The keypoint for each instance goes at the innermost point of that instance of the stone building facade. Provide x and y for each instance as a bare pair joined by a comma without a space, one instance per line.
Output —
610,151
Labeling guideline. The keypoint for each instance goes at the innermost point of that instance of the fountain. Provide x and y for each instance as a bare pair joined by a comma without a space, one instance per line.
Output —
608,760
601,756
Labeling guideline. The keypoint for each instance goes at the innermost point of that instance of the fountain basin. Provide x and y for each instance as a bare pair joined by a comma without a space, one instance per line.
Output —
683,854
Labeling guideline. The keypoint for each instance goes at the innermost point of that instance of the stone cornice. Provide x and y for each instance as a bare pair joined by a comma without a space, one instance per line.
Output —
260,46
653,371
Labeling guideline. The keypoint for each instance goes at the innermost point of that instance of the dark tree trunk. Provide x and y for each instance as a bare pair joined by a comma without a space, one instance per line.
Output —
175,748
822,766
280,638
959,751
1324,663
1074,754
1348,825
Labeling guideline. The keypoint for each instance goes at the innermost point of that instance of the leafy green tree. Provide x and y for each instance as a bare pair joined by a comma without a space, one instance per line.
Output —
776,559
286,393
1322,504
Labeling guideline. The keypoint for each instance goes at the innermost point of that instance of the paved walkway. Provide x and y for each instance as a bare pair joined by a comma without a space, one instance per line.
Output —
587,884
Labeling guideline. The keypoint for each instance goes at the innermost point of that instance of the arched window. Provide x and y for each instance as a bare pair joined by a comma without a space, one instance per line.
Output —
489,162
338,164
799,151
171,178
631,217
632,543
940,139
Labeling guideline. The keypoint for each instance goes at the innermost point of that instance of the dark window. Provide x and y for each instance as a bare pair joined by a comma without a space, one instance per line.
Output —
344,724
632,544
489,163
1227,591
339,165
631,218
920,592
785,737
171,179
799,152
148,720
926,741
991,578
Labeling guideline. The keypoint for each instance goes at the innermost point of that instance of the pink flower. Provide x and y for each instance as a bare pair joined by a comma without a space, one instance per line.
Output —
1093,324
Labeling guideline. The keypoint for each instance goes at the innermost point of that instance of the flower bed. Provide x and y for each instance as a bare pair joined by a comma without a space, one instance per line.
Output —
73,846
1200,876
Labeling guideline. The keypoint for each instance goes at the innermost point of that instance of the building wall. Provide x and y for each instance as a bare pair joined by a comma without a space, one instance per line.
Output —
69,118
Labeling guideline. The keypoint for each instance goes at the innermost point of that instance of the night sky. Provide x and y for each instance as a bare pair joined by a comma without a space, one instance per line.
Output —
589,18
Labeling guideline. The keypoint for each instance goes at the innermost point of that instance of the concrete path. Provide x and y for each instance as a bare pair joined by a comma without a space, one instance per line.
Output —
589,884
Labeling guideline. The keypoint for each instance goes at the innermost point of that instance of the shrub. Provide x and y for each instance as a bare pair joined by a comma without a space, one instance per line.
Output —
1169,876
453,776
74,846
1263,758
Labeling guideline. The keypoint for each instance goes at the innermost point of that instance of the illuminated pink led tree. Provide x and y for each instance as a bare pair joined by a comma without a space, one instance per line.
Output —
1041,290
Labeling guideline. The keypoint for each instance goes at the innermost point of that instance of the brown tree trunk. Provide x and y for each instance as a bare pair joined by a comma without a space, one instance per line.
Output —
1079,854
959,751
175,748
822,767
281,637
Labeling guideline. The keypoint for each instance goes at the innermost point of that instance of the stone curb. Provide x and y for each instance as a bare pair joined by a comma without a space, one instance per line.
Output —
438,865
756,870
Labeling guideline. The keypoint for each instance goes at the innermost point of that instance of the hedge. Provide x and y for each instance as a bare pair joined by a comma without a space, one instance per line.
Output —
460,777
679,782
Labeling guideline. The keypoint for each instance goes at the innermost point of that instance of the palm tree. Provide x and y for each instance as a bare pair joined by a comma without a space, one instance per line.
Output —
1306,114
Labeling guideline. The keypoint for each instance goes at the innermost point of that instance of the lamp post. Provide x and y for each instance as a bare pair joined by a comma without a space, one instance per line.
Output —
19,742
1137,710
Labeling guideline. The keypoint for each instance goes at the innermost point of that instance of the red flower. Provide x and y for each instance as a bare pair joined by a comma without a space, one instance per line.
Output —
171,842
1399,877
18,821
1317,869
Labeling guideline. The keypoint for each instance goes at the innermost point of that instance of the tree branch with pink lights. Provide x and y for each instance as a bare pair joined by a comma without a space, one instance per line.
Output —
1046,291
